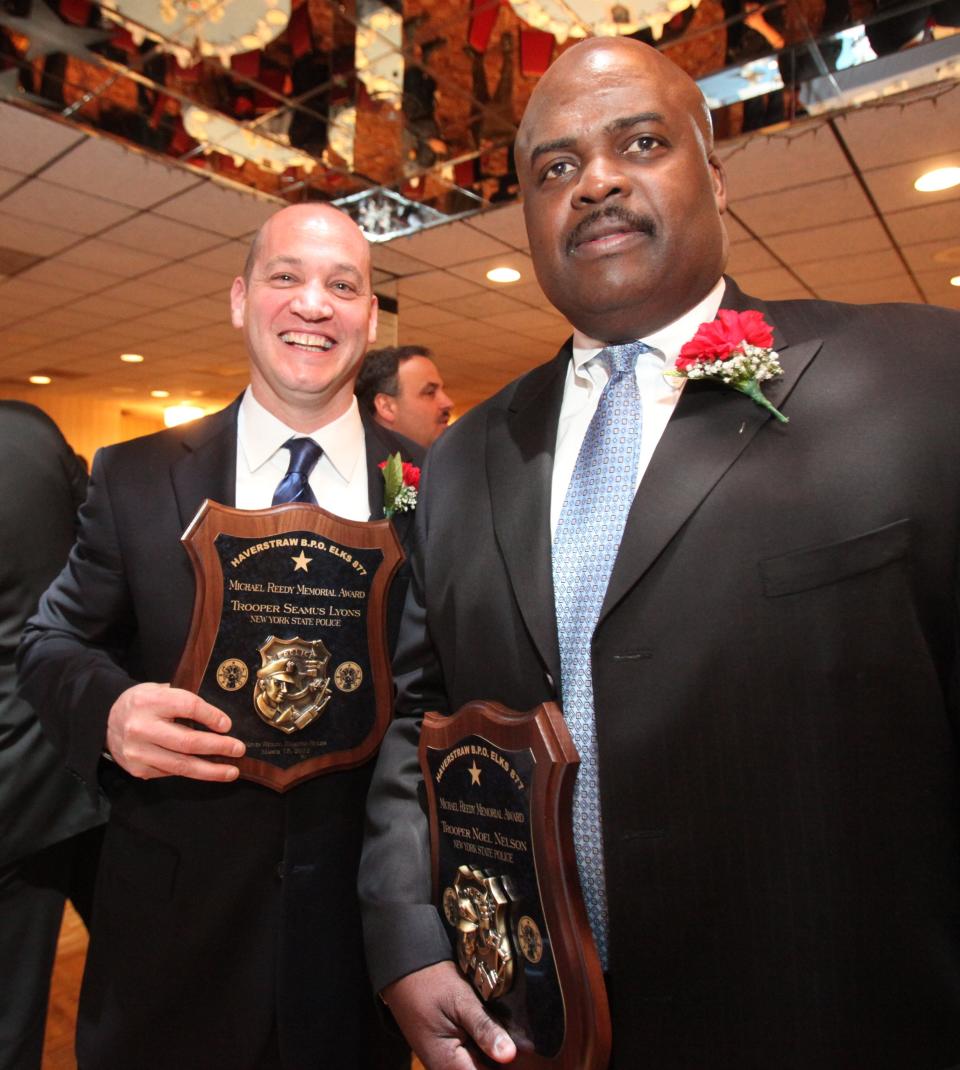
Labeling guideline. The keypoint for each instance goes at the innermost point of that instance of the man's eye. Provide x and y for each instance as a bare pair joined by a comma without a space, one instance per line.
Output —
645,143
282,276
344,288
558,169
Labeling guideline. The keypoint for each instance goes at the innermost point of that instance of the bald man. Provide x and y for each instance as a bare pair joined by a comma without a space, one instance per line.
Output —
226,928
765,687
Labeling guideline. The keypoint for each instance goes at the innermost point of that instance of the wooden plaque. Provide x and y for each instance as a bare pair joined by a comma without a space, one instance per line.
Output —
499,787
289,635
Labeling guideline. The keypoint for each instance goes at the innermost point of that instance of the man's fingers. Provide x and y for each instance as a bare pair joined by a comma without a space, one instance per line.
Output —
187,740
187,706
156,761
443,1019
146,734
490,1038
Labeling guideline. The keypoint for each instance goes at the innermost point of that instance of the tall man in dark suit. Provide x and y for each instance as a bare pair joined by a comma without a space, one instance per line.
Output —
772,670
226,928
50,830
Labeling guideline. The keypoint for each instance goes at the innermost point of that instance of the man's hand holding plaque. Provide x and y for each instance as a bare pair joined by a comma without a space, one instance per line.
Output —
288,637
499,787
146,734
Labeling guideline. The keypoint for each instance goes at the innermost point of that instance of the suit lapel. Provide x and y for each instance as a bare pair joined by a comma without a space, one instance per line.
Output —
711,426
208,466
520,449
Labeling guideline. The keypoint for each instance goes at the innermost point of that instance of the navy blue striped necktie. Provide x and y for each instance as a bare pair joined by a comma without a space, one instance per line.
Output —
295,485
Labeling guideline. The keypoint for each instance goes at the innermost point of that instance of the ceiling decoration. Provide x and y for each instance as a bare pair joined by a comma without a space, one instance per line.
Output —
189,29
583,18
390,104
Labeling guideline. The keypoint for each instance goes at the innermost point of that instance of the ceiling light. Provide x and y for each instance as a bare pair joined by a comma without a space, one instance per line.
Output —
578,18
192,28
131,358
173,415
218,133
503,274
939,179
955,281
159,393
40,380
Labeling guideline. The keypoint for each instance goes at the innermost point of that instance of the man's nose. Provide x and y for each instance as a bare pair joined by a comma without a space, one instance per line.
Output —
445,400
600,177
312,302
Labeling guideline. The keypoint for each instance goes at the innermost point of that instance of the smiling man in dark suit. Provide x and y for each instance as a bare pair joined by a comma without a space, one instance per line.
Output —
226,929
751,625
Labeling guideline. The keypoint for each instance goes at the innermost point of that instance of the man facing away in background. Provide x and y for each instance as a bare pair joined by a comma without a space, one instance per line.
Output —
401,388
751,625
50,829
226,927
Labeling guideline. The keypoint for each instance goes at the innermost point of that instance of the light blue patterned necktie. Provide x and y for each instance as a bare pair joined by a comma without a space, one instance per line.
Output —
585,547
295,485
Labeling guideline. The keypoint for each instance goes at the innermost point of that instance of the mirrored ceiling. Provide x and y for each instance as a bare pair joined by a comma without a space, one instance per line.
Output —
405,111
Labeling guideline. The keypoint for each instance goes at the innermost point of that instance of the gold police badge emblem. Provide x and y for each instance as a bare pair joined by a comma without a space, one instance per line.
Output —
292,686
478,906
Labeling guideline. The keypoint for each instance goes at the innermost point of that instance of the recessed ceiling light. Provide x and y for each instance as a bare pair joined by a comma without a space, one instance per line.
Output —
40,380
939,179
955,281
159,393
132,358
503,274
173,415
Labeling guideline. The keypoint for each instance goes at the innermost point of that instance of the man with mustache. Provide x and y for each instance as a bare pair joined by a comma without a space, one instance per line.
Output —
751,625
226,930
401,388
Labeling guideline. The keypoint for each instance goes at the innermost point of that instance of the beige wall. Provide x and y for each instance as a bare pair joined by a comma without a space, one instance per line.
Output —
86,423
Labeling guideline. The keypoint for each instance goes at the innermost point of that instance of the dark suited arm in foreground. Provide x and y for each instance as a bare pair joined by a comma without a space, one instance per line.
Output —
408,952
77,657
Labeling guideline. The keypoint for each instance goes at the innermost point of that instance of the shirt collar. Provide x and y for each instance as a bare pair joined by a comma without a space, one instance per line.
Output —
261,434
667,342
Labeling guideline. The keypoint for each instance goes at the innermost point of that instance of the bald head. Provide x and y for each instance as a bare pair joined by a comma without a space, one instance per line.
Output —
603,57
622,191
297,212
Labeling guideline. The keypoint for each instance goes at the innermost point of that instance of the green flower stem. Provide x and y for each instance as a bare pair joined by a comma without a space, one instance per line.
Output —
752,389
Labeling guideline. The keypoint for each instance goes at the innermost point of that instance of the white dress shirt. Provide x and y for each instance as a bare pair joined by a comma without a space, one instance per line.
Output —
659,394
339,480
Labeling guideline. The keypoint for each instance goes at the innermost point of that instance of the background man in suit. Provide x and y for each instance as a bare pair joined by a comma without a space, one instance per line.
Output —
402,389
227,932
50,831
774,664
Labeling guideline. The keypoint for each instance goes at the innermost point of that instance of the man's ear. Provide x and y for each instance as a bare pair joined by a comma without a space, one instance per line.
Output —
238,301
385,407
372,326
719,178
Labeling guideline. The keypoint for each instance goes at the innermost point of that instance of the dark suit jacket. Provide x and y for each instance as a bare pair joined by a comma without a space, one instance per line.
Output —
776,693
42,483
218,905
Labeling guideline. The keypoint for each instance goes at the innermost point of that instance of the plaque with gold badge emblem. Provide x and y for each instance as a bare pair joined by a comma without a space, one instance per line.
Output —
499,791
289,635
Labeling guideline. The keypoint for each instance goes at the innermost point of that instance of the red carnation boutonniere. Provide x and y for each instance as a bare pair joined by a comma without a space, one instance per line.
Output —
401,483
736,349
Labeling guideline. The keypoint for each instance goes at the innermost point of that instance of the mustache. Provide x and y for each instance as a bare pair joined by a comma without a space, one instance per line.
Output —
643,224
